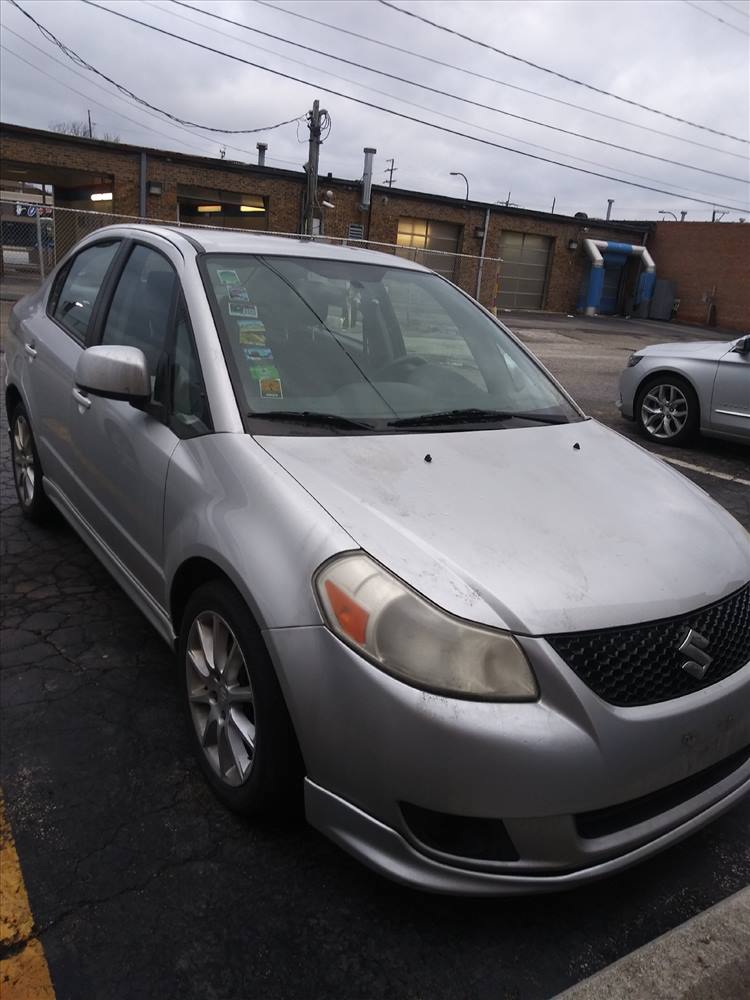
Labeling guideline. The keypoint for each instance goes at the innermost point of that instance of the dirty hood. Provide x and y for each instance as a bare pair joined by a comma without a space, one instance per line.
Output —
541,529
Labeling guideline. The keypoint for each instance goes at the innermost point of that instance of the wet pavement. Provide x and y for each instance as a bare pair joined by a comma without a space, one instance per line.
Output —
143,886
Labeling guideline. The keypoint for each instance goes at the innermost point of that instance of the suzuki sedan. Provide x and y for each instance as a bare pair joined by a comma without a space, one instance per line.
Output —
496,646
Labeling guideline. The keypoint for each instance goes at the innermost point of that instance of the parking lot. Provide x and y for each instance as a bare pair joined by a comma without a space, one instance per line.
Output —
143,886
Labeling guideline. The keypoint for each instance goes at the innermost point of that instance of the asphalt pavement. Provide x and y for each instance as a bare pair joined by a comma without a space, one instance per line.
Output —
143,886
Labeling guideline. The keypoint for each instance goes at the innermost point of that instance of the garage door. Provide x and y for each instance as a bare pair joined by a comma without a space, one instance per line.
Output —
523,272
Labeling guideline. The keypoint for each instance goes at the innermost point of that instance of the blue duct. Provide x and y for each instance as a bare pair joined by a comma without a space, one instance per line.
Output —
646,282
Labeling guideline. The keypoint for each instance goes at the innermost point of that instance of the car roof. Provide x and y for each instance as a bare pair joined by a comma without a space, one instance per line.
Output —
255,242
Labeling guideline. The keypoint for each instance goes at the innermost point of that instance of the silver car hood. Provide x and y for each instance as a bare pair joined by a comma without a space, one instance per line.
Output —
709,349
519,528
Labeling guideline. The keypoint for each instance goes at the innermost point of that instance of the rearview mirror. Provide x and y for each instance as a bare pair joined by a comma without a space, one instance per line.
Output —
114,372
743,347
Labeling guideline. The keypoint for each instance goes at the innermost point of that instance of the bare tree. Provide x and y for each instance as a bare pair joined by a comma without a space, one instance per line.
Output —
81,128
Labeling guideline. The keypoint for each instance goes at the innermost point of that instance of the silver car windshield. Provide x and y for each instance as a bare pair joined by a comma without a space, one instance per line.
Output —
340,346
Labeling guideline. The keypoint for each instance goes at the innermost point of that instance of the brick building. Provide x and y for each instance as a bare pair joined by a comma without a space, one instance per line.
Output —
543,261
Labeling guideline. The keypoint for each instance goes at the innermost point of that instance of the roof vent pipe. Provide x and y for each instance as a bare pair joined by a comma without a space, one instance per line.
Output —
367,176
261,147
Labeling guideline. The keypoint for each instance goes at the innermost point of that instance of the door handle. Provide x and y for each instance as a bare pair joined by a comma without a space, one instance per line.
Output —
30,350
81,398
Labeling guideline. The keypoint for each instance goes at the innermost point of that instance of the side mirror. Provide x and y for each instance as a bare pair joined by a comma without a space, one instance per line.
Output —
114,372
743,347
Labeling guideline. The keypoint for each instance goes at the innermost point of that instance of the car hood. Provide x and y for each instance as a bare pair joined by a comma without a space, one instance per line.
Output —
710,349
540,530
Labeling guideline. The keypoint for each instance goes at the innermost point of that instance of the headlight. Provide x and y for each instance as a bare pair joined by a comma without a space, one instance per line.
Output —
634,359
405,635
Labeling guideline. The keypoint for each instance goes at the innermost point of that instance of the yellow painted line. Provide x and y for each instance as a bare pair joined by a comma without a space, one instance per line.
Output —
23,974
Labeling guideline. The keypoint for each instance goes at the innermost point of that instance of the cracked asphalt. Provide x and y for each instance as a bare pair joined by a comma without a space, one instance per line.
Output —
143,886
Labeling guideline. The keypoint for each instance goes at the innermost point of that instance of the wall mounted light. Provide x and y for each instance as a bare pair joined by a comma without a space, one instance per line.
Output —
204,209
154,187
101,196
572,244
479,232
251,208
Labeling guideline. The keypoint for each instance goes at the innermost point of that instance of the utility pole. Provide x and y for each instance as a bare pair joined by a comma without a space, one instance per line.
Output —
311,196
391,171
91,131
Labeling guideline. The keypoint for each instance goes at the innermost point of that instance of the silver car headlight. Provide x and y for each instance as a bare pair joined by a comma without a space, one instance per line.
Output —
634,359
401,632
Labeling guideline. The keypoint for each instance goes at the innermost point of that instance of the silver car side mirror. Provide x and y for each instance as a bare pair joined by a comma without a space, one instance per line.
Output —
114,372
743,347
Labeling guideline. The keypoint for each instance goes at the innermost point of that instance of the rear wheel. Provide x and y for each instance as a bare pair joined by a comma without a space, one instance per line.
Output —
238,721
27,469
666,410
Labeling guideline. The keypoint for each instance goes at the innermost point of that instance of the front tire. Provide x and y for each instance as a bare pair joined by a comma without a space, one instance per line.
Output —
27,469
239,725
666,410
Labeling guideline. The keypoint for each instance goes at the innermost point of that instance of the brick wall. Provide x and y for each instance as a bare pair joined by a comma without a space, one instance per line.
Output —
700,255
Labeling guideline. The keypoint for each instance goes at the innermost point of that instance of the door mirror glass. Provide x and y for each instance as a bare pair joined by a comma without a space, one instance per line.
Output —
115,372
743,347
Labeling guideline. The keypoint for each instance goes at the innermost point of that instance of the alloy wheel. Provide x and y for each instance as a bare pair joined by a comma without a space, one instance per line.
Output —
221,698
24,466
664,411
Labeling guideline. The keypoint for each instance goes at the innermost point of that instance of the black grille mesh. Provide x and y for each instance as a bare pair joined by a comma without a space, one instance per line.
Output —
642,664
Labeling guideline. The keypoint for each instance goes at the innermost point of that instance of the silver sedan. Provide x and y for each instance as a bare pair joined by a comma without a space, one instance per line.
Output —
404,576
672,391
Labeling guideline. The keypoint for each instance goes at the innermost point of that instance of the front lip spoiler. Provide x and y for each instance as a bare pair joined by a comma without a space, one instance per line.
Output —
385,851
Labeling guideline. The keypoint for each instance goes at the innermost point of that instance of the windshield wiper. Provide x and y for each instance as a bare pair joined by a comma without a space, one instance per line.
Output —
312,419
473,416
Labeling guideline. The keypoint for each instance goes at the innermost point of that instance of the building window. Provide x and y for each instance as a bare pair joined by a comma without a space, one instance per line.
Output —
215,207
417,237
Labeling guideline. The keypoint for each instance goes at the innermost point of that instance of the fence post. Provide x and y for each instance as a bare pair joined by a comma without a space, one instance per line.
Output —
40,248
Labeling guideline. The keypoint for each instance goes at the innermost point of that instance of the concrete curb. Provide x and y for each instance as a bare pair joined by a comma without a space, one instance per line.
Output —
706,958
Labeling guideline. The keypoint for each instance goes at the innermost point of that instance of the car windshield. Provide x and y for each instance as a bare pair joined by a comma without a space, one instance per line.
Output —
331,346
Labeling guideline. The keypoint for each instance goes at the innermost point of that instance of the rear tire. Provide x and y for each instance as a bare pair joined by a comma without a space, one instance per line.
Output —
238,721
667,410
27,469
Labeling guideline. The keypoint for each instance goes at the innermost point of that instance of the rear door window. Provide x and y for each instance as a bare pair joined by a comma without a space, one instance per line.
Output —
73,300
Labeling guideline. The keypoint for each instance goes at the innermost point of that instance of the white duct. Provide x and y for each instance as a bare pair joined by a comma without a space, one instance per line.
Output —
367,176
594,248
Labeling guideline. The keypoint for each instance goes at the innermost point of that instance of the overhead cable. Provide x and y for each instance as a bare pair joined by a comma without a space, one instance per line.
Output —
456,97
399,114
561,76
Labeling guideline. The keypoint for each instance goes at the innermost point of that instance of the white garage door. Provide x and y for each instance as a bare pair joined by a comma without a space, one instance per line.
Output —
523,272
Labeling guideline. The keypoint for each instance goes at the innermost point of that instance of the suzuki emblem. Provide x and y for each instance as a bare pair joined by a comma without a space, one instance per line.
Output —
694,646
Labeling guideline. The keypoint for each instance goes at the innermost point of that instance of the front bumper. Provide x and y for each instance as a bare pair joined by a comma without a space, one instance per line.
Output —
371,743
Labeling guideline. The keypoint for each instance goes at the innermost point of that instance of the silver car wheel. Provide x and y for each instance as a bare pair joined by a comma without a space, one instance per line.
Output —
664,411
221,698
24,467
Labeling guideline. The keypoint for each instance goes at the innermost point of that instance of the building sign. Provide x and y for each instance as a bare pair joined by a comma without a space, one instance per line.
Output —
31,211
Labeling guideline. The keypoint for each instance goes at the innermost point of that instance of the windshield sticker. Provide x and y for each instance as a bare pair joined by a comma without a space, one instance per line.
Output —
238,294
270,388
227,277
246,311
253,337
263,354
259,370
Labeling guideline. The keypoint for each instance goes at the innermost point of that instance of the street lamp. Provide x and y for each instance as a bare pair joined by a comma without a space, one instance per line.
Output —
457,173
663,212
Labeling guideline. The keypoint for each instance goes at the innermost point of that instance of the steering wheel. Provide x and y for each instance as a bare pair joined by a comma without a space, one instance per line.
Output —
405,361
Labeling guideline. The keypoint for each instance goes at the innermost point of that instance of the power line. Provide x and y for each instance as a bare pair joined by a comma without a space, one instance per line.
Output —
398,114
69,69
456,97
492,79
554,72
80,61
742,13
719,19
421,107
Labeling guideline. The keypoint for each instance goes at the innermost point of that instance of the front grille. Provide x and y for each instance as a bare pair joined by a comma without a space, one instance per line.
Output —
642,664
613,819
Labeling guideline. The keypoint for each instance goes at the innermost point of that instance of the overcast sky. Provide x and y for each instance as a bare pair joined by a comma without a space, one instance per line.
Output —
667,55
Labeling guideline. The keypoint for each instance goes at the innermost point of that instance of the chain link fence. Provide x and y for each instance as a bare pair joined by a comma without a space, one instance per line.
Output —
35,237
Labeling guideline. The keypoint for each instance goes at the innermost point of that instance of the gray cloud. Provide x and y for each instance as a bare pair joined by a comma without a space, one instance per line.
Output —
666,55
